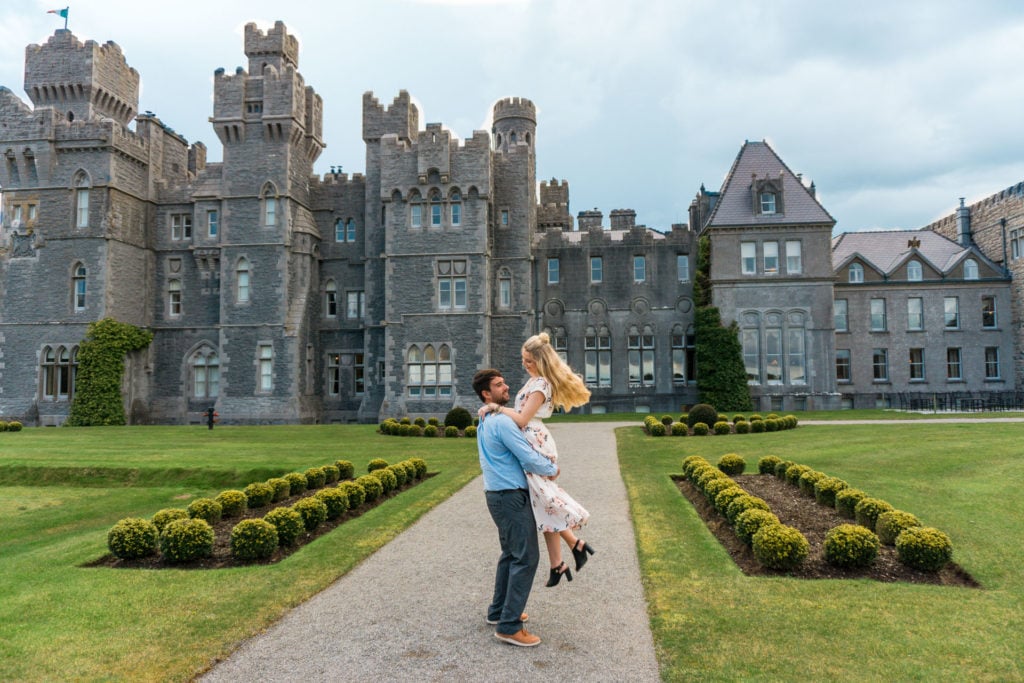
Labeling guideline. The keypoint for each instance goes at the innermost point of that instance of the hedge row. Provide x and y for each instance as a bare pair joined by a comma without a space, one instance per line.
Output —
419,427
182,535
12,426
703,422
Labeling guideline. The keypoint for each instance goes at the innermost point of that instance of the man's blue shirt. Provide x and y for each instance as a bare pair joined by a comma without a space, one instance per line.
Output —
505,454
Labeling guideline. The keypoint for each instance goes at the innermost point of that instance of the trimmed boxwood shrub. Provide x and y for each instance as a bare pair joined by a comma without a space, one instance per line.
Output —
288,522
657,429
405,421
680,429
259,494
14,426
253,539
732,464
333,474
335,500
850,545
133,537
749,521
715,486
387,479
164,517
315,478
924,548
401,475
430,431
313,512
756,426
772,425
808,480
722,428
782,467
794,473
282,489
690,462
702,412
205,508
826,488
766,465
741,504
736,419
451,431
470,432
701,429
414,430
184,540
727,496
296,482
706,474
371,487
433,422
410,470
742,427
778,546
420,465
356,494
458,417
866,512
666,420
420,422
891,524
346,470
846,502
232,502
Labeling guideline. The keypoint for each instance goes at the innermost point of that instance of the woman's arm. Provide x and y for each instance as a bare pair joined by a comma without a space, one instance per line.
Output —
531,405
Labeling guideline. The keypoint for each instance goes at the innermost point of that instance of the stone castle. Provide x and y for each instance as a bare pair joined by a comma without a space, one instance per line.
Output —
278,296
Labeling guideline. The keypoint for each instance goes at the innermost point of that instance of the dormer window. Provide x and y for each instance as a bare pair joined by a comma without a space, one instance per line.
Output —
767,203
914,271
766,196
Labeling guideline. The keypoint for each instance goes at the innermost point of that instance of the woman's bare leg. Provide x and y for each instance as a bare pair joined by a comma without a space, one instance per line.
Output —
554,543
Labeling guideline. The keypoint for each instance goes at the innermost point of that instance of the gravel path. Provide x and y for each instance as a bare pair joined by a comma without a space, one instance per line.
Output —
430,587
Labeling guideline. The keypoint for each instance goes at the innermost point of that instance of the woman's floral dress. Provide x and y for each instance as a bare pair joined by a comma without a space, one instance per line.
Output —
554,509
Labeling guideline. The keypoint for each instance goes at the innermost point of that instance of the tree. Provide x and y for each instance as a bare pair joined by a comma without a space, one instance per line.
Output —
721,375
98,399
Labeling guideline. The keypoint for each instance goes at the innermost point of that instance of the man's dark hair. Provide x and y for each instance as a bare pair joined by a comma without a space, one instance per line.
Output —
482,381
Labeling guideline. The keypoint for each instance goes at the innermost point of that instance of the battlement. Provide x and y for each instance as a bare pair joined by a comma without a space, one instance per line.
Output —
515,107
276,47
402,118
590,219
554,192
944,225
336,180
623,219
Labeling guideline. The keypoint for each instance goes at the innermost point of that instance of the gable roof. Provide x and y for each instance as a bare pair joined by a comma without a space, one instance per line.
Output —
735,205
887,250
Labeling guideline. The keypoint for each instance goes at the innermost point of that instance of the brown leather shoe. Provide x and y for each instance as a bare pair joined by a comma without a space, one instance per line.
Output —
522,638
524,617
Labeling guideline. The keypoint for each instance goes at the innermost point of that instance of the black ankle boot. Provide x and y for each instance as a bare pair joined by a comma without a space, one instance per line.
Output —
580,554
556,575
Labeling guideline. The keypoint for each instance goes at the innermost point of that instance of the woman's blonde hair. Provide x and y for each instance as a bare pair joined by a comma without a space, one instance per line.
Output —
567,389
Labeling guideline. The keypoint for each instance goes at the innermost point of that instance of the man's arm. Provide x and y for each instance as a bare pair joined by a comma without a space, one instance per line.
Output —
529,459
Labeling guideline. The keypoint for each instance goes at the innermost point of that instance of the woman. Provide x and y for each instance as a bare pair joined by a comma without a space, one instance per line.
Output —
552,384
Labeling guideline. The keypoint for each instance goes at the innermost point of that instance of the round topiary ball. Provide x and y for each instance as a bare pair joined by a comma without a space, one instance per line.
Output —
372,488
288,523
253,539
430,431
782,468
742,427
356,494
470,432
400,474
433,422
282,489
458,417
410,470
890,525
184,540
14,426
690,463
387,479
778,546
680,429
313,512
756,426
715,486
741,504
866,512
205,508
451,431
168,515
726,496
701,429
657,429
749,521
826,488
808,480
924,548
846,502
232,503
332,474
794,473
722,428
315,478
346,470
766,465
704,413
297,482
666,420
420,422
376,464
421,466
732,464
259,494
132,538
850,545
335,500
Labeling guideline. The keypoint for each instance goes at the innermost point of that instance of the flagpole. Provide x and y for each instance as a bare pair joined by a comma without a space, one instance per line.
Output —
66,17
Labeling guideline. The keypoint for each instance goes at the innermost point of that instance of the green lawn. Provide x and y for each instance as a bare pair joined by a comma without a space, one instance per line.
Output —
711,622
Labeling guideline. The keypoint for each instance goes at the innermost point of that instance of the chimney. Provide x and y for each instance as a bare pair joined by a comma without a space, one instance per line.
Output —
963,221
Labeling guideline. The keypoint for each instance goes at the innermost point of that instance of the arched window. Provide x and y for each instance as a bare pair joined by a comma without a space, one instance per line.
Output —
456,206
174,298
269,200
856,272
59,369
242,281
415,210
205,368
49,372
78,286
435,208
914,272
641,357
339,230
331,299
970,269
350,230
82,201
429,372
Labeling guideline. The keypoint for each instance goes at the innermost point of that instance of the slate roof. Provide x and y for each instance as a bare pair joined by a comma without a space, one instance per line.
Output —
888,249
735,206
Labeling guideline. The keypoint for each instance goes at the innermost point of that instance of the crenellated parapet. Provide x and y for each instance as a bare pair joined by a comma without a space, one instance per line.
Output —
514,124
402,118
275,47
553,205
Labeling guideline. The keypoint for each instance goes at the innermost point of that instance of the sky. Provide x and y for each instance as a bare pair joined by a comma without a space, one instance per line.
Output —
895,110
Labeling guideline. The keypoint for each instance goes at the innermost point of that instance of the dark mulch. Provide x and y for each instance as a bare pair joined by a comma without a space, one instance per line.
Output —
813,520
221,557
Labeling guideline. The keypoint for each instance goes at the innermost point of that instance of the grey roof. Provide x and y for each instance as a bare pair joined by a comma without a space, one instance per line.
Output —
887,250
735,206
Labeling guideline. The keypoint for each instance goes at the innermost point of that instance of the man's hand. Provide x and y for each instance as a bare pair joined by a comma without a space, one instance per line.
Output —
558,470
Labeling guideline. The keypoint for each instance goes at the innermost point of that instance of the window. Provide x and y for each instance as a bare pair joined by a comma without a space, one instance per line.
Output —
553,273
752,355
358,374
269,211
242,278
954,370
773,355
678,357
597,359
641,359
350,230
840,315
748,257
856,273
916,365
356,307
415,211
265,354
504,217
331,299
914,272
771,257
339,230
504,289
970,269
78,286
456,207
596,269
992,362
880,365
82,203
683,267
211,223
767,203
435,209
16,215
174,298
843,365
915,313
951,305
205,374
561,345
59,368
451,285
794,257
429,371
333,374
878,315
181,226
33,212
639,268
795,358
988,311
1016,244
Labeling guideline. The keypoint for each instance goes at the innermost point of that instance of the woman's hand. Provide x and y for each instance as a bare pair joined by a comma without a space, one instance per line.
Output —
488,408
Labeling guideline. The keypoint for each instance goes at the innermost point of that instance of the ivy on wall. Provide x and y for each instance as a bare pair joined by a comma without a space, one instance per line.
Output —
98,399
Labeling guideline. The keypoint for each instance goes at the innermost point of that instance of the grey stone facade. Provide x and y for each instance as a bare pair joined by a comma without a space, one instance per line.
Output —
277,296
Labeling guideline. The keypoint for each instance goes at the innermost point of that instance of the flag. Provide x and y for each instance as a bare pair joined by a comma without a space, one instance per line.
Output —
60,12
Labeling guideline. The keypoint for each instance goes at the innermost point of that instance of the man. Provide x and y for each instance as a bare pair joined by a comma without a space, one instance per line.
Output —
504,455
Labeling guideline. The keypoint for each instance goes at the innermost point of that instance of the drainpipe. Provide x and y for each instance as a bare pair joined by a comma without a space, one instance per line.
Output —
1006,261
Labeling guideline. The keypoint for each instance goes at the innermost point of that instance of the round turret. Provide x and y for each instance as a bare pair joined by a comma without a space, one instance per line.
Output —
515,123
